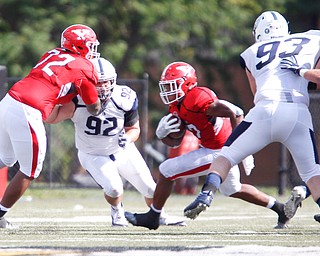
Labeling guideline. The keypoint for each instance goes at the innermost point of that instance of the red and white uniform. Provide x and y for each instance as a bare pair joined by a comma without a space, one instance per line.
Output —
57,78
212,133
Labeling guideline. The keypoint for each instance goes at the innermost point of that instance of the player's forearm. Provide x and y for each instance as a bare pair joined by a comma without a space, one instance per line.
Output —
95,108
312,75
239,119
60,113
52,118
133,132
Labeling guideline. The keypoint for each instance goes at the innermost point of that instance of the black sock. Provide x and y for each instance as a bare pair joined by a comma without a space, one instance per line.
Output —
2,213
277,207
308,192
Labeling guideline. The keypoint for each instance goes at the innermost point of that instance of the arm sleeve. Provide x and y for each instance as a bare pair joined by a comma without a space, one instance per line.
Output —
242,63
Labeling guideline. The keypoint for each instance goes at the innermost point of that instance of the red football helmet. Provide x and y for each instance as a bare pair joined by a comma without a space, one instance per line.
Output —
176,80
80,39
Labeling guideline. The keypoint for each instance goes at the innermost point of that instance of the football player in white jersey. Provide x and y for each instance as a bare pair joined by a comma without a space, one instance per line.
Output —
281,111
105,142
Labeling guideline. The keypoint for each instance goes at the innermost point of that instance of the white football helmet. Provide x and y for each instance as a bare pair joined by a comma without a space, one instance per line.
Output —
107,77
268,25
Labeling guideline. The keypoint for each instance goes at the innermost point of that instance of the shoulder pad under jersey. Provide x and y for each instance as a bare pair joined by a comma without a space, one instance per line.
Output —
124,97
87,69
199,99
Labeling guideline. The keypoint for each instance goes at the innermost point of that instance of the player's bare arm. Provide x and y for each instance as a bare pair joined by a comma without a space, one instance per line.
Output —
95,108
252,82
60,113
133,132
313,75
221,110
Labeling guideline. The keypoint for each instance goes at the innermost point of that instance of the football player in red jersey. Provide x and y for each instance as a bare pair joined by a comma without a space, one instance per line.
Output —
61,74
281,108
211,120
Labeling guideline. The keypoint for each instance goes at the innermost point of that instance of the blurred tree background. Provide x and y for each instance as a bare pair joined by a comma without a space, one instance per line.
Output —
140,36
143,36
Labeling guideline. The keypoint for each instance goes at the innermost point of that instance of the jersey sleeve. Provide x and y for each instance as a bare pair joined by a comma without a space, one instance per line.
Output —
86,84
242,63
131,117
246,61
202,99
87,90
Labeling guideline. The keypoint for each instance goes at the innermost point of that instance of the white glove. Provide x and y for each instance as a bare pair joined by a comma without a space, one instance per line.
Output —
123,140
167,126
290,64
248,164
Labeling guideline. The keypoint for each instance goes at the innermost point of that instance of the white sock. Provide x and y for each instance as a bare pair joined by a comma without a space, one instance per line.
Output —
117,207
156,210
271,203
4,209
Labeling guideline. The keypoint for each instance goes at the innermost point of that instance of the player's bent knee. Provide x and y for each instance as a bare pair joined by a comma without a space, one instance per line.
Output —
114,193
228,190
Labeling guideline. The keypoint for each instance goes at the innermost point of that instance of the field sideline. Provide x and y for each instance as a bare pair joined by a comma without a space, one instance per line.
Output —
78,222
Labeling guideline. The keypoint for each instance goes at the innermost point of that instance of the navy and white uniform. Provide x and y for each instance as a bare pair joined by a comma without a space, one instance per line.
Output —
281,100
97,140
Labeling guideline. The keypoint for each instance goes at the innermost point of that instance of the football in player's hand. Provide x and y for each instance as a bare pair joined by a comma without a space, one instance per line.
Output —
182,127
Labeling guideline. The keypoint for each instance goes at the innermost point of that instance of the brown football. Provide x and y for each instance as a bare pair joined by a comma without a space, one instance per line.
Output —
179,134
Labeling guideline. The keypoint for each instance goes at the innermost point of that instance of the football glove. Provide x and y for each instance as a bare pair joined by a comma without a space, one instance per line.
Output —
123,140
248,164
167,126
291,64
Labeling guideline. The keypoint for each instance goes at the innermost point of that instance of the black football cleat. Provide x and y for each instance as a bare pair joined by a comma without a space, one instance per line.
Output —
150,219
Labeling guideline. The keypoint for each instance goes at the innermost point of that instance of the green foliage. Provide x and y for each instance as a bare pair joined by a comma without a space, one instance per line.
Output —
140,36
129,30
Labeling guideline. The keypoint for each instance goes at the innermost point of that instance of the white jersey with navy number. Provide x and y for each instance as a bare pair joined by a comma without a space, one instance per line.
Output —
99,152
281,112
98,135
273,83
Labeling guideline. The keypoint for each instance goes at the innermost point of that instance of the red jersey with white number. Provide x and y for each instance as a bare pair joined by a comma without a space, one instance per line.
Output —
56,79
210,130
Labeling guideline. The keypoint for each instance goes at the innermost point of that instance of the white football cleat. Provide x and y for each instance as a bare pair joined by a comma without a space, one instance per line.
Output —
6,224
118,218
298,194
166,220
